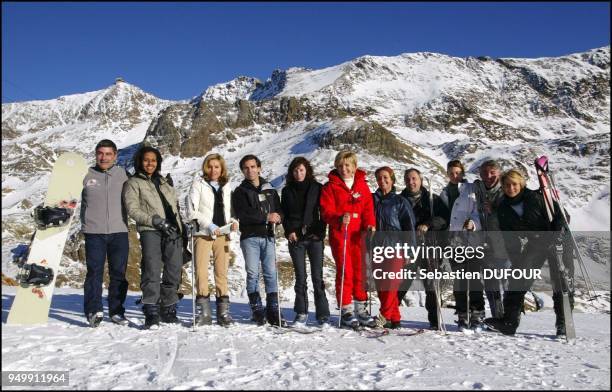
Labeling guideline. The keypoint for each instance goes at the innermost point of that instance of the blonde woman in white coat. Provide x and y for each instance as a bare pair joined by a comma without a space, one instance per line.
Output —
464,220
209,203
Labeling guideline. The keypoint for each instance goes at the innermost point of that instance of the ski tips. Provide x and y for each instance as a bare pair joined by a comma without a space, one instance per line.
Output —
542,163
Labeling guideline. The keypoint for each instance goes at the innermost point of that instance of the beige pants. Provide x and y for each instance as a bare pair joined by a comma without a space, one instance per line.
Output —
220,249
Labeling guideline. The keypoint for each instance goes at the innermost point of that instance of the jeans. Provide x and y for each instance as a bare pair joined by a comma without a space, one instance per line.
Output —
315,255
259,255
98,247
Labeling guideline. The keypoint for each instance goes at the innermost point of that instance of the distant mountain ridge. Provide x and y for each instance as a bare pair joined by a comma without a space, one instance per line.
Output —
411,110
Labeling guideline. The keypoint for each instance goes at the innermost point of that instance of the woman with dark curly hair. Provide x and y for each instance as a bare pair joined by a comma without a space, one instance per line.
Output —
152,202
305,231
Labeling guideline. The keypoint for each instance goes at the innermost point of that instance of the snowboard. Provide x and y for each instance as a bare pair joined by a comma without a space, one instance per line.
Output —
33,300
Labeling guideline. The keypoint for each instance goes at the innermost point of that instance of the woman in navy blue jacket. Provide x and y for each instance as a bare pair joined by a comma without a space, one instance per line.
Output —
393,214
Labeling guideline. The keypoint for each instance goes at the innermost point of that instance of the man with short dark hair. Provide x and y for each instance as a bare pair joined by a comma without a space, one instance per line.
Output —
425,221
104,223
257,206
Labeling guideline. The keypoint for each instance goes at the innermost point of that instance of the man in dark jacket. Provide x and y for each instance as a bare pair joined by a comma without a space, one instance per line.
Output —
257,207
425,221
104,223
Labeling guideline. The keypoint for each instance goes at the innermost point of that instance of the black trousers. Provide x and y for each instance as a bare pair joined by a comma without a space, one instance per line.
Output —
298,252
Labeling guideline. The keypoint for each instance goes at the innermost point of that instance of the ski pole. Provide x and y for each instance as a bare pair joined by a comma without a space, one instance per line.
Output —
277,284
190,227
583,270
342,279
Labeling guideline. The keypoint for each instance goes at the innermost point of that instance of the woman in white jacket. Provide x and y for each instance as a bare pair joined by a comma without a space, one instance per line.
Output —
460,198
209,203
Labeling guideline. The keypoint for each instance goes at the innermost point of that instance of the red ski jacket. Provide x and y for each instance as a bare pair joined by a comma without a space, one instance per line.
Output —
337,199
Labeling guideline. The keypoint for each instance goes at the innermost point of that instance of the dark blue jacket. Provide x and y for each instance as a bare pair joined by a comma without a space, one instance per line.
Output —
393,212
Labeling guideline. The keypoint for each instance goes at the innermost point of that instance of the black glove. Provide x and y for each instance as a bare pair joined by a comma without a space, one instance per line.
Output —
163,225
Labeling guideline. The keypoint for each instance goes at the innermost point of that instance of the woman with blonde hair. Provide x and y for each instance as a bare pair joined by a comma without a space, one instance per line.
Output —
522,216
348,208
209,203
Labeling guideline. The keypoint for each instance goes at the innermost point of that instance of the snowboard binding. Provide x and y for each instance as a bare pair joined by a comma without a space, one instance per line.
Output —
46,217
34,275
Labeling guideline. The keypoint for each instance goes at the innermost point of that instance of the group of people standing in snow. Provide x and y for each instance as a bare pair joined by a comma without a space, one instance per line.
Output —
344,208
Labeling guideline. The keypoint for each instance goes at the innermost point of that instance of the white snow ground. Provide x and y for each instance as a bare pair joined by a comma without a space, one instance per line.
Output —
249,357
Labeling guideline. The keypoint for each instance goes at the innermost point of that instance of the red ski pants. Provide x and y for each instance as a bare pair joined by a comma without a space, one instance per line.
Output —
387,290
354,285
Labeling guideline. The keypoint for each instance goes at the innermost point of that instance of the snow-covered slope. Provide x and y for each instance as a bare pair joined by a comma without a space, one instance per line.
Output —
245,356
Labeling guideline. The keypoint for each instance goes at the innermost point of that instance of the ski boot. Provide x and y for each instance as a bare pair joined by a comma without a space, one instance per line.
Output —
476,321
151,313
272,311
348,318
462,323
94,319
35,275
51,216
204,316
223,316
363,315
168,314
380,321
257,311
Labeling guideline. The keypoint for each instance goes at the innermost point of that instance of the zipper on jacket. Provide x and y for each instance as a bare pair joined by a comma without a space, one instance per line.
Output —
107,203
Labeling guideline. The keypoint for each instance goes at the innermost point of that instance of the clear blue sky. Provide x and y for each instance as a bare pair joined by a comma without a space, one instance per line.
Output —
176,50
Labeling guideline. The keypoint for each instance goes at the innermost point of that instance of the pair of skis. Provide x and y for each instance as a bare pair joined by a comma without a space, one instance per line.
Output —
551,197
432,265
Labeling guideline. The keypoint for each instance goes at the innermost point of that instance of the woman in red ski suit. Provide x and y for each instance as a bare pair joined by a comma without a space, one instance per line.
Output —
346,203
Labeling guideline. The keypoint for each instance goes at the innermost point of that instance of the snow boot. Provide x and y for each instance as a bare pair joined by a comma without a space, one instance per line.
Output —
272,311
323,322
151,313
223,316
477,320
300,320
257,311
204,316
168,314
119,319
363,315
508,325
462,323
94,319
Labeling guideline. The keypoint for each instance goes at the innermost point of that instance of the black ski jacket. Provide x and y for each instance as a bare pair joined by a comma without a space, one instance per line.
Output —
252,205
306,223
533,224
422,214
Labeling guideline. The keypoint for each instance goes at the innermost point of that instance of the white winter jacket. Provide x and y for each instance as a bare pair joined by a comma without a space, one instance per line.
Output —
200,204
464,208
